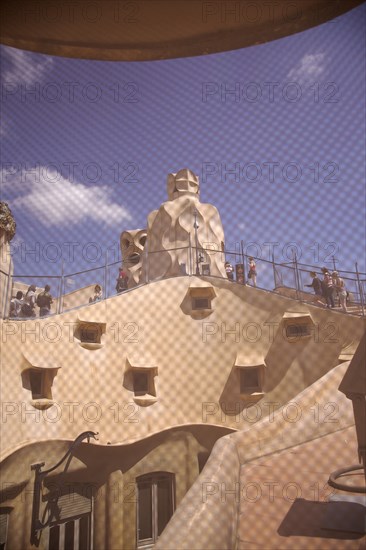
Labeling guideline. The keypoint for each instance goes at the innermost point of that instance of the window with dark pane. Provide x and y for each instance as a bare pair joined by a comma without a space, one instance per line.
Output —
84,532
72,530
201,303
164,502
54,538
90,335
155,506
145,523
249,380
4,520
69,534
297,331
36,379
141,383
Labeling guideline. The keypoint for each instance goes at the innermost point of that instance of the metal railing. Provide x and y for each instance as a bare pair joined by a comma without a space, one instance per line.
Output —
73,290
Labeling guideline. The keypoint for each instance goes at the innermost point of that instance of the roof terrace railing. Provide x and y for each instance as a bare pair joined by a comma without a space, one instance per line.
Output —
292,279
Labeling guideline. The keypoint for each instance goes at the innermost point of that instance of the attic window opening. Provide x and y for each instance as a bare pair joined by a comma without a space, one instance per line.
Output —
297,326
90,335
250,380
201,303
141,382
36,378
298,330
40,383
200,295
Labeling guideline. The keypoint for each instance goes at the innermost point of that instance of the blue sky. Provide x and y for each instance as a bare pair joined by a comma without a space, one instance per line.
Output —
86,155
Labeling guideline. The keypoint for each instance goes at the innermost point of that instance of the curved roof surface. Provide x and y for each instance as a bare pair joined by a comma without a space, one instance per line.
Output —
137,30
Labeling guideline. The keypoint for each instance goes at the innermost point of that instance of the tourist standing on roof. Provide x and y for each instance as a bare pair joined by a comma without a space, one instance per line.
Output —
98,294
327,286
29,302
317,286
229,271
122,281
252,271
341,290
44,301
16,304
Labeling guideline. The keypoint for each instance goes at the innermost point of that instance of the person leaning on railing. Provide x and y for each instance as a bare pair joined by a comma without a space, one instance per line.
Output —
98,294
229,271
122,281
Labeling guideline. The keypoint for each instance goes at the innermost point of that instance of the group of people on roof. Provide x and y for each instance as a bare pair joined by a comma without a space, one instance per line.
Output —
121,286
252,272
25,305
331,287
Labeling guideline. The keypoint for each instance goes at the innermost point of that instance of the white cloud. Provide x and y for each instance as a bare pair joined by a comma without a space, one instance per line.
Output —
25,67
53,200
308,68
